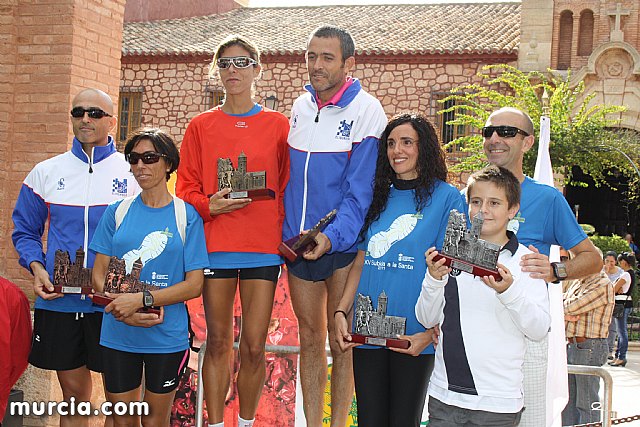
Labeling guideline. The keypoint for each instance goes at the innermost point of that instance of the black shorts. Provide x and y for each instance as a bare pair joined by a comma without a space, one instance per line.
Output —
65,341
270,273
162,371
320,269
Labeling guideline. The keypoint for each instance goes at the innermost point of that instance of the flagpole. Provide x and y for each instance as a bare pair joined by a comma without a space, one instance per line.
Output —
557,384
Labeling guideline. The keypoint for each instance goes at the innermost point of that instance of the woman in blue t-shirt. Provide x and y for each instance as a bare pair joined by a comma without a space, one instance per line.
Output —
161,241
408,214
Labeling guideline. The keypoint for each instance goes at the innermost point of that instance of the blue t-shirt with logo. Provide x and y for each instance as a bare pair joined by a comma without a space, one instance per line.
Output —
151,235
394,263
545,218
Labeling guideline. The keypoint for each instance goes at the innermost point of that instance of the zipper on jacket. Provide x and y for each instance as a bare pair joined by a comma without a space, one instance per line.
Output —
86,209
317,116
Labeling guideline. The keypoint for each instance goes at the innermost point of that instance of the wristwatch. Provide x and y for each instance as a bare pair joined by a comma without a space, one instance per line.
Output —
559,270
147,299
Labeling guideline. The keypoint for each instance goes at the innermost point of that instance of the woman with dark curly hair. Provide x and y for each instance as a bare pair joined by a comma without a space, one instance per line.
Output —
623,287
408,214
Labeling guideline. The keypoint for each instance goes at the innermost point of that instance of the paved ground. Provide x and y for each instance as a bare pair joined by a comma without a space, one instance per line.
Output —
626,385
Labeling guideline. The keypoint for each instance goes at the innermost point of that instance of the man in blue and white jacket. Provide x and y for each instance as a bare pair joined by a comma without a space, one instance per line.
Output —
71,191
333,144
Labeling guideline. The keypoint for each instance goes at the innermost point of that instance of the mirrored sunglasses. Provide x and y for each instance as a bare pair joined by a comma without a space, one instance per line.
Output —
237,61
147,157
93,112
502,131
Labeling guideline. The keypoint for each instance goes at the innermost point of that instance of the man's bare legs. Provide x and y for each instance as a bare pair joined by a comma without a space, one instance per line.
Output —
75,383
314,303
342,386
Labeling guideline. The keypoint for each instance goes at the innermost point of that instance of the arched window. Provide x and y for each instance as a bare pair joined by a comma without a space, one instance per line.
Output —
585,33
564,40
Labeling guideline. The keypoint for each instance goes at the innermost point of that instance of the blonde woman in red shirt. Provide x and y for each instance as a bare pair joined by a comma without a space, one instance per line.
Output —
242,234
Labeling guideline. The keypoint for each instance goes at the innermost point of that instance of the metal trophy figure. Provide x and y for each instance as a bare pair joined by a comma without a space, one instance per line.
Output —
374,327
465,251
296,246
71,277
118,281
243,184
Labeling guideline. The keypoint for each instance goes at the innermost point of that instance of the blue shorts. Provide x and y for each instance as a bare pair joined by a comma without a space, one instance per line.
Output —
322,268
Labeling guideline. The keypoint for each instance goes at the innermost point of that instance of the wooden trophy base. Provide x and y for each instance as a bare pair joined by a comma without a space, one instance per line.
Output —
101,299
71,290
259,194
457,264
294,247
380,341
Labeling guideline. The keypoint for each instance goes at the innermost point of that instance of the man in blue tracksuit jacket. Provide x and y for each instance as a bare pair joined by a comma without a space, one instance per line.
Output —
333,144
71,191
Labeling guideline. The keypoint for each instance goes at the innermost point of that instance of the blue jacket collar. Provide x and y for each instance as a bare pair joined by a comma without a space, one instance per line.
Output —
347,96
100,152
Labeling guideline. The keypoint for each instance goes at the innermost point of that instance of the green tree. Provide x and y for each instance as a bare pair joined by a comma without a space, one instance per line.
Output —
610,243
583,133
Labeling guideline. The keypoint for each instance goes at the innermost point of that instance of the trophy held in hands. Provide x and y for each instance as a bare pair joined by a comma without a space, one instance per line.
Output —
71,277
243,184
464,250
296,246
118,281
374,327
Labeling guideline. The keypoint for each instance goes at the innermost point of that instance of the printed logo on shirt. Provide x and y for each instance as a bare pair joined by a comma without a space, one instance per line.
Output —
344,130
405,258
119,187
60,184
155,276
242,125
514,224
151,247
159,280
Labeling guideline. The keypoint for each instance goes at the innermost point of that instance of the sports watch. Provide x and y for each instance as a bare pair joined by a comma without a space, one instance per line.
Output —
147,299
559,270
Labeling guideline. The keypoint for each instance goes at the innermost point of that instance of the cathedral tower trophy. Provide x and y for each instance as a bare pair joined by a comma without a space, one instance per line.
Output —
375,327
464,250
71,277
118,281
243,184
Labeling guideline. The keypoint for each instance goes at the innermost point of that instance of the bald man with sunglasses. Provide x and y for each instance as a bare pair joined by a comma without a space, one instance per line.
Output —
71,192
544,219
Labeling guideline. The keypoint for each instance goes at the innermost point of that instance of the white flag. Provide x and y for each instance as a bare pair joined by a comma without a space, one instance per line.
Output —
557,375
543,172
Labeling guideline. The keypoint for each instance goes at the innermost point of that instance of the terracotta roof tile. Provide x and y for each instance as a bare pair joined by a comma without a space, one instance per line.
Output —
377,29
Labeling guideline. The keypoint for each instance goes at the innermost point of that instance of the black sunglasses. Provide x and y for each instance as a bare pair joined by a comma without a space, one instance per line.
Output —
237,61
148,157
94,112
502,131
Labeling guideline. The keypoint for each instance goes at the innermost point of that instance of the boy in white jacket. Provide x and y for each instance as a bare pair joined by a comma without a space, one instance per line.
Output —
477,378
